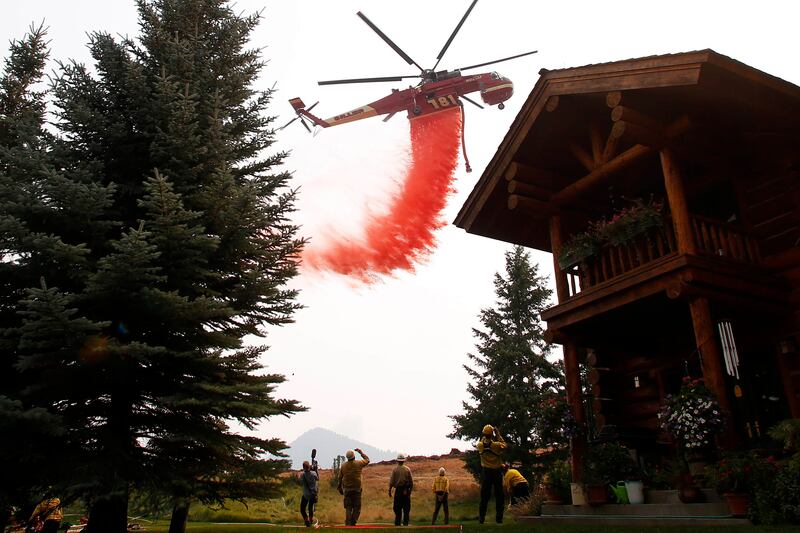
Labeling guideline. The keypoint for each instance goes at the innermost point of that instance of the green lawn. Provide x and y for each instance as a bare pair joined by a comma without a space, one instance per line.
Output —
474,528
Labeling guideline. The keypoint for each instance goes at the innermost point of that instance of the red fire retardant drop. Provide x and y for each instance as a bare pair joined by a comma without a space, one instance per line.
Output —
404,235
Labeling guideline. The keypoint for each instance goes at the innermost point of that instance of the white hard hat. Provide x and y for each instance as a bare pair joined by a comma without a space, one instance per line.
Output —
401,457
441,471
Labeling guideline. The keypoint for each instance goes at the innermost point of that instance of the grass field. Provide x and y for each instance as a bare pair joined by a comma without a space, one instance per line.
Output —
376,504
475,528
282,514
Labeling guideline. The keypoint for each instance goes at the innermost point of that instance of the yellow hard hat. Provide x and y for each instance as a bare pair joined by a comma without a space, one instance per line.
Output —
488,429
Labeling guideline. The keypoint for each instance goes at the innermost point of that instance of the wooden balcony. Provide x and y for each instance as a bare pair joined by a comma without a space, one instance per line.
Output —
713,239
726,267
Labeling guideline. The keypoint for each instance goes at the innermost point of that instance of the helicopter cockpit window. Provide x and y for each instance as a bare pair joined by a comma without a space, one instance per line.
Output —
494,76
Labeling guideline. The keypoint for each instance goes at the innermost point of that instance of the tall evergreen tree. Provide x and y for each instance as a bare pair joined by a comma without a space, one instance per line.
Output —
512,380
157,218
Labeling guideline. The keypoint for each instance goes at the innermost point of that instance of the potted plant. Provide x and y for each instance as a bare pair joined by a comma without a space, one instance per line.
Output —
693,418
603,465
556,482
674,474
734,477
578,248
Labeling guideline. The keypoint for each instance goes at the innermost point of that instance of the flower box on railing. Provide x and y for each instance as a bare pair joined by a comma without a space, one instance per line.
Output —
624,226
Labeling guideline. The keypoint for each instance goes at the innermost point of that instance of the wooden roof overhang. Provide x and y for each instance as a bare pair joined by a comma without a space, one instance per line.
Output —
580,130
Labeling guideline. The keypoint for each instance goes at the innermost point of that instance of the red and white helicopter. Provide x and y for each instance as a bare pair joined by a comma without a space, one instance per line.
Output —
437,90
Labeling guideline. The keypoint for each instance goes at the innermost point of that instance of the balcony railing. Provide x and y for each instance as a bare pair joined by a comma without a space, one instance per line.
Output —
712,238
722,239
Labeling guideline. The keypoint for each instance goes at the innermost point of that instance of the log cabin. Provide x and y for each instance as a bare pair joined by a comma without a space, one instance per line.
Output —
713,291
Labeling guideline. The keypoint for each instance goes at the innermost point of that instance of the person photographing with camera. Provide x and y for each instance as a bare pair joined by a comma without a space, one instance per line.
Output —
309,479
491,447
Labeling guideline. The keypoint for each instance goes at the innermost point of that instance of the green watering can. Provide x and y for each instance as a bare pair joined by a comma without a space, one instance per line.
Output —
620,492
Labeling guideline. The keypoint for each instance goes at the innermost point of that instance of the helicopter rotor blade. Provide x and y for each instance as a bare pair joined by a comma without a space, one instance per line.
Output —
390,115
453,35
498,60
303,122
471,101
312,106
285,125
388,41
366,80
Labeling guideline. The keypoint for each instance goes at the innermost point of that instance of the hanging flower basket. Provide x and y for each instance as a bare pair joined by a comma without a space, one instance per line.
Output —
693,417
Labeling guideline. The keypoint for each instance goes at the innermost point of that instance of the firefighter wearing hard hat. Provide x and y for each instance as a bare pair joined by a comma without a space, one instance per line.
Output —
350,484
490,448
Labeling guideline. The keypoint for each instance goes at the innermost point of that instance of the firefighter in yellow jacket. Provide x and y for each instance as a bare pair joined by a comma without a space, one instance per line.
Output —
441,488
47,516
350,485
515,484
491,448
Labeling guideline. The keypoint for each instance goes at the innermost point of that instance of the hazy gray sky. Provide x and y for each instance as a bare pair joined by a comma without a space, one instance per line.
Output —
382,363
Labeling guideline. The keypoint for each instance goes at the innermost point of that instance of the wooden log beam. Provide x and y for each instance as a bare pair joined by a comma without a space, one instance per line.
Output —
681,290
711,361
552,104
532,206
531,175
575,400
613,98
627,114
637,134
596,136
678,206
532,191
610,149
582,156
605,171
600,174
556,242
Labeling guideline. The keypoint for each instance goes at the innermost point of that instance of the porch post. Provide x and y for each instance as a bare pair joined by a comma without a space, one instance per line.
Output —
556,241
700,308
786,369
711,358
678,205
571,364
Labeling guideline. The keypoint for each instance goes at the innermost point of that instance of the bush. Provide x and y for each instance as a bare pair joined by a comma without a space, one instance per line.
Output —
531,506
787,432
737,472
608,463
776,497
558,478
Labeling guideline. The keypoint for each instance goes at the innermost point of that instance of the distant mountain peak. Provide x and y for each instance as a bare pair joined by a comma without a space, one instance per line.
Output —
329,444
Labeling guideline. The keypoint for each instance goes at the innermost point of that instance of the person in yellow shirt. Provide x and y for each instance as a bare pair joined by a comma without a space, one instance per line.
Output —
47,516
515,484
491,448
441,488
350,485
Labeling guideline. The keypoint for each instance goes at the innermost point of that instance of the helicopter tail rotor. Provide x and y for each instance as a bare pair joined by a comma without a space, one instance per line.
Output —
303,113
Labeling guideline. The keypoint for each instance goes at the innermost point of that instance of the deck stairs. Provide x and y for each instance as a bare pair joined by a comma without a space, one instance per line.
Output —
661,508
